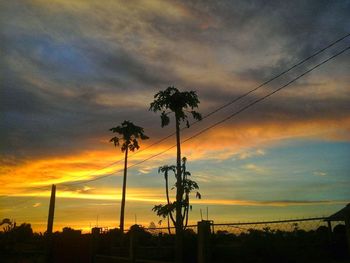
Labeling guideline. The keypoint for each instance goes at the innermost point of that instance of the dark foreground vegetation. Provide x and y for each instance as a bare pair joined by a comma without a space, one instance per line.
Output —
20,244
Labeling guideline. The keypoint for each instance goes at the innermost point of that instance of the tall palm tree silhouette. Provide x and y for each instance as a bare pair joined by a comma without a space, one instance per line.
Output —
127,139
180,103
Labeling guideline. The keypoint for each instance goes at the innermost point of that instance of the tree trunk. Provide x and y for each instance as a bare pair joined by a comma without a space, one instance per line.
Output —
179,194
167,198
168,221
122,207
168,201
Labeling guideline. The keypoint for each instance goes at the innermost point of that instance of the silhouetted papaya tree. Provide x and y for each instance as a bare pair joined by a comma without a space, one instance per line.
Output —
165,170
188,184
127,139
180,103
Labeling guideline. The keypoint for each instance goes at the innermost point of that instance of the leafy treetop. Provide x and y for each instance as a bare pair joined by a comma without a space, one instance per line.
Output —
176,101
129,133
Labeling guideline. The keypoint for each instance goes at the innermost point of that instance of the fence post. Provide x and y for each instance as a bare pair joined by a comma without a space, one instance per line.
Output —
95,238
329,228
204,244
133,243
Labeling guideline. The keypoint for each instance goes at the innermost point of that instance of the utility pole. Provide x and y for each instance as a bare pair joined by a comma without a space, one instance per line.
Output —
51,210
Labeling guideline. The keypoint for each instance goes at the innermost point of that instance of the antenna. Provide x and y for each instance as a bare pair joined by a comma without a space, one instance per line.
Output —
201,214
207,214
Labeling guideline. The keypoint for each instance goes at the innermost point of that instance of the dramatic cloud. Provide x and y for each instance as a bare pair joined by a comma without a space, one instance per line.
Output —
70,70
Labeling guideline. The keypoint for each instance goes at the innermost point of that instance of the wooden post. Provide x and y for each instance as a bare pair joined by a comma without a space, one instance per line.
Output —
204,244
49,237
95,238
51,210
133,243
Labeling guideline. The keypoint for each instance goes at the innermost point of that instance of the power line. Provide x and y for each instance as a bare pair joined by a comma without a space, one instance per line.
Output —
266,96
248,93
219,122
229,103
215,111
226,118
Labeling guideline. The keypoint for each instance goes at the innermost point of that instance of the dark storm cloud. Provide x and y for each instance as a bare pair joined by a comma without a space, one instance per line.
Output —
301,109
52,124
14,98
282,110
121,66
46,121
298,28
58,64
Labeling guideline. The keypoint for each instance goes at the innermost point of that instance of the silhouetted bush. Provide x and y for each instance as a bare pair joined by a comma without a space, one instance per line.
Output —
254,245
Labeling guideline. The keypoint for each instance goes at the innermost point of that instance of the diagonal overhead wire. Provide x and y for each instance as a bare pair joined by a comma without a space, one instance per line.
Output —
247,93
217,110
266,96
224,119
220,108
223,106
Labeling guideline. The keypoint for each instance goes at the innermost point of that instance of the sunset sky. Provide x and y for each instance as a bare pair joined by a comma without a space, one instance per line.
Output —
71,70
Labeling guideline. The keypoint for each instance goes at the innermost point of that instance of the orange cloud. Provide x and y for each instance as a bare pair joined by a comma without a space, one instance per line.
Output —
219,143
232,139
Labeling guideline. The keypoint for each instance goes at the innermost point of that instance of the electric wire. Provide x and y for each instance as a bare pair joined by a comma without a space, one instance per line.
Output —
225,119
266,96
217,110
230,102
245,94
